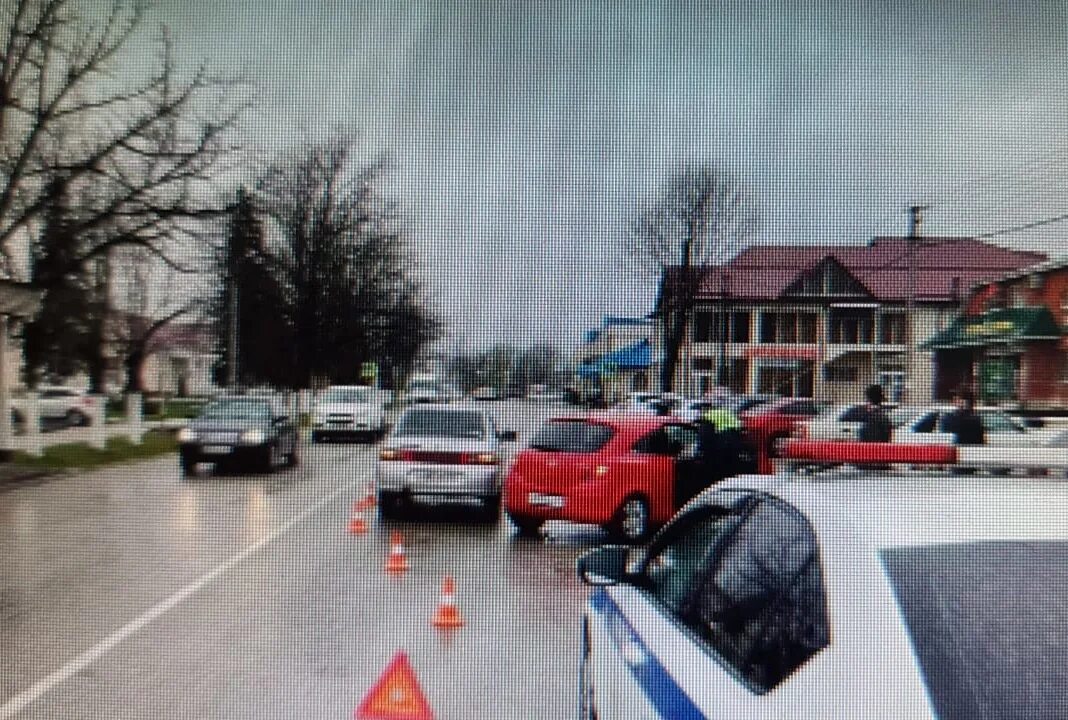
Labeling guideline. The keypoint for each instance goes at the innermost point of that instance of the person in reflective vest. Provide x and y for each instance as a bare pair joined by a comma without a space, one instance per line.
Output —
722,447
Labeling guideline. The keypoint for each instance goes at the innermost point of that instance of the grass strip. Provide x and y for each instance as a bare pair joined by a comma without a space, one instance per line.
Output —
81,456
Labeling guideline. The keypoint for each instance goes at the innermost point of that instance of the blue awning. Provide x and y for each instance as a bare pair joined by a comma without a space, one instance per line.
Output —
638,356
589,371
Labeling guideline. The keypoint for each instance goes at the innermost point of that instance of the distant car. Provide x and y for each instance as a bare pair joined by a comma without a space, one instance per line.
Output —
239,433
774,421
423,391
485,393
349,411
620,471
440,452
56,404
924,426
862,596
843,422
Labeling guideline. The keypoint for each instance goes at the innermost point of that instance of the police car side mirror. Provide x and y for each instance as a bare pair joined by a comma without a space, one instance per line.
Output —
606,565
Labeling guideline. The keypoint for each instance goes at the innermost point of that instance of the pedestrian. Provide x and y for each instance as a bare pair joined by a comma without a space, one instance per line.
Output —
964,423
875,426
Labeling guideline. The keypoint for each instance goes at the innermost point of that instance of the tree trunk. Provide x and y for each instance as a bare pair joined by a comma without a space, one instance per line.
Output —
134,363
675,331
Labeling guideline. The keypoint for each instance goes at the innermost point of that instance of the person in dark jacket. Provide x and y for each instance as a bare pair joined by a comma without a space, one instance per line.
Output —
876,425
964,423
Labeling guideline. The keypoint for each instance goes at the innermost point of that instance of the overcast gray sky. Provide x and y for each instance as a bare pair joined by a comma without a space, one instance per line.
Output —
524,133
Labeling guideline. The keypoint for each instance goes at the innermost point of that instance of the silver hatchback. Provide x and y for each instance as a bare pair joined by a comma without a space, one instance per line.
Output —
441,452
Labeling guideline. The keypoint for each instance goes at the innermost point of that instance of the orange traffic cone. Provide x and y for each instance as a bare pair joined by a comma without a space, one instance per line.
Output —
447,616
367,502
357,524
398,558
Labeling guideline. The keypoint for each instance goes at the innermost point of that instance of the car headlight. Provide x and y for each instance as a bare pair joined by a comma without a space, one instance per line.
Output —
253,437
187,435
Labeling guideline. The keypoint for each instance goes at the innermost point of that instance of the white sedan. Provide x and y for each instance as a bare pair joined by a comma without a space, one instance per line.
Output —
1002,430
843,422
865,595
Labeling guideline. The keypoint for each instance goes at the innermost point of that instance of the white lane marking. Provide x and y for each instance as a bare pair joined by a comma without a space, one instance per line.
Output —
16,703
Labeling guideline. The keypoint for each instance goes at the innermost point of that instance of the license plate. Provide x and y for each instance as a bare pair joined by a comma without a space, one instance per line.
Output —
216,449
553,501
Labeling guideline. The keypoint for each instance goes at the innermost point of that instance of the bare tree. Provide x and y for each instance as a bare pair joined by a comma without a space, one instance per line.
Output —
117,151
699,219
329,285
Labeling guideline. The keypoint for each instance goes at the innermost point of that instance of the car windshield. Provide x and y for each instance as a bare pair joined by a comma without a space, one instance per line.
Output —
985,621
440,422
240,409
347,395
577,436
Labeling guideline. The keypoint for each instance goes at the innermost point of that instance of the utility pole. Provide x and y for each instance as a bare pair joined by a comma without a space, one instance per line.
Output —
915,220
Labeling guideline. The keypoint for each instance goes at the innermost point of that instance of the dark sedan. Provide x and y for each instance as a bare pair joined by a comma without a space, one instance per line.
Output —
239,433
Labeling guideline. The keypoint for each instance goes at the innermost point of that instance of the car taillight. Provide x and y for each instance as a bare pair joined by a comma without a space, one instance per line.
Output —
479,459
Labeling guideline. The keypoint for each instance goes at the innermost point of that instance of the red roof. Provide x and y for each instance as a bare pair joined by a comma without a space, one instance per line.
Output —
943,267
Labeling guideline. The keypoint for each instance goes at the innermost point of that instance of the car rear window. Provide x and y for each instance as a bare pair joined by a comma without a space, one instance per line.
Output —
441,422
577,436
986,620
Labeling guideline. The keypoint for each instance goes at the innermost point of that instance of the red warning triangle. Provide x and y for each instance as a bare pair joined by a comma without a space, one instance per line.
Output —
396,695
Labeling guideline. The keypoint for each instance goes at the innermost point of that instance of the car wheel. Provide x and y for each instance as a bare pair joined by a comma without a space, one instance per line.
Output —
188,468
632,520
387,505
525,525
316,437
269,459
74,418
491,508
293,456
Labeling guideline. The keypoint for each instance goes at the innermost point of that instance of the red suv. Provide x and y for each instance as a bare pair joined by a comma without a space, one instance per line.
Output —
626,473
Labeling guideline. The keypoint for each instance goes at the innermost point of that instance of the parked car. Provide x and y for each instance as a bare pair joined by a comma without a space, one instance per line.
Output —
923,426
423,391
239,433
349,411
619,471
56,405
779,597
774,421
843,422
441,452
485,393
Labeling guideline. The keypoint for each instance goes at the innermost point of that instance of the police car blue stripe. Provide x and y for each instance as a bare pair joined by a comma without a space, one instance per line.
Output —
655,681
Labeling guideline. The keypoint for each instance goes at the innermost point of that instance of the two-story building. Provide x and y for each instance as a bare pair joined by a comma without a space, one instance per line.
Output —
828,320
1009,344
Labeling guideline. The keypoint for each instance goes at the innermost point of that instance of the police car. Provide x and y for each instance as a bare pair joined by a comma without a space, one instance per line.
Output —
849,594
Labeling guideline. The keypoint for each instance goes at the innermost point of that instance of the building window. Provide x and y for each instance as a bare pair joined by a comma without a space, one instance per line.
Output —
788,328
769,323
892,329
702,326
841,373
850,327
740,327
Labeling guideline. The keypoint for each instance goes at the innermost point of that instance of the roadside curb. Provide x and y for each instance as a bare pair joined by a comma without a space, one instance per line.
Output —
13,477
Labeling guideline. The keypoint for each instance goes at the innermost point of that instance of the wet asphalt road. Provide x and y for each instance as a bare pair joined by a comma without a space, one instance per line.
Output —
129,593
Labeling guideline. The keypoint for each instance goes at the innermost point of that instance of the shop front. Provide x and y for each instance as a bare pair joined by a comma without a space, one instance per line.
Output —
1009,356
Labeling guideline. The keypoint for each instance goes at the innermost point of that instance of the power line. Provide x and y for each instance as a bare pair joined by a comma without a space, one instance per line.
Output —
1025,226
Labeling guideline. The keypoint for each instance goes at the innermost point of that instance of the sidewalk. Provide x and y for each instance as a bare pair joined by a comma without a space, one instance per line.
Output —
85,435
